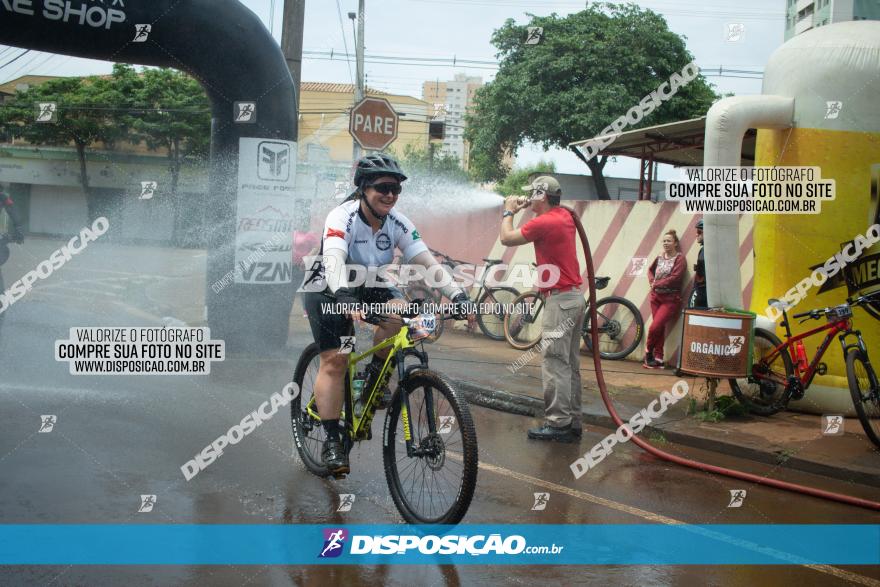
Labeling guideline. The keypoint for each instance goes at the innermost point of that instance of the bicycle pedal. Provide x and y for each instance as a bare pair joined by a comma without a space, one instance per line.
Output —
339,476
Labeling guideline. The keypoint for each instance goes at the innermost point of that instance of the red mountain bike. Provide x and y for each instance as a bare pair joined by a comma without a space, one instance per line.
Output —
783,371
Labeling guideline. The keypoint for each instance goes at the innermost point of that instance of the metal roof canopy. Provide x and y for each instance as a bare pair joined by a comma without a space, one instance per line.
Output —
676,143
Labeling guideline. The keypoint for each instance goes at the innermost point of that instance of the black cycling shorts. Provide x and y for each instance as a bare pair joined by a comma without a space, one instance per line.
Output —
327,327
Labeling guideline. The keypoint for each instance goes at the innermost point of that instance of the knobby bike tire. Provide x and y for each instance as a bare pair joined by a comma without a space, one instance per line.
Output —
513,323
396,460
768,400
866,401
630,315
308,446
492,325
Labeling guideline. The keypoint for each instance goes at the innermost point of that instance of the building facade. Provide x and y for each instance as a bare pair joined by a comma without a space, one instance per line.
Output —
451,100
323,122
45,180
803,15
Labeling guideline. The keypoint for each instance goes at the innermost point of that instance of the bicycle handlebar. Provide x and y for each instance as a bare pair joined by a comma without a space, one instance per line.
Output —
810,314
816,313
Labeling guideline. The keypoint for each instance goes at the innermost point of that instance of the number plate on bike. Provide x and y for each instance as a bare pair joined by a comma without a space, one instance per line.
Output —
839,312
422,326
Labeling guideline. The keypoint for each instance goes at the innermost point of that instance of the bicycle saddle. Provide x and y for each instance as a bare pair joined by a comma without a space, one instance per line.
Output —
601,282
779,304
493,261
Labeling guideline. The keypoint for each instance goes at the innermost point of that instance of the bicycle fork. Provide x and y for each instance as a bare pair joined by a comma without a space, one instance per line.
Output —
412,449
863,349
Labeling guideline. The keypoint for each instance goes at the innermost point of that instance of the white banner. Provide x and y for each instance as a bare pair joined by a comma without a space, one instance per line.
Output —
264,219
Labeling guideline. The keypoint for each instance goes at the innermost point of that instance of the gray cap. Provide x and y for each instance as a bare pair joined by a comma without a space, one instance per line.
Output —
548,184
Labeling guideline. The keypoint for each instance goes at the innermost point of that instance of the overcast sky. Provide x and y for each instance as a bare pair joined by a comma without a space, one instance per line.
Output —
461,29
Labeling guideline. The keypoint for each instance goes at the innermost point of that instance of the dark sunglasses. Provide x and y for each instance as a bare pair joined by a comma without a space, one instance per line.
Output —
388,187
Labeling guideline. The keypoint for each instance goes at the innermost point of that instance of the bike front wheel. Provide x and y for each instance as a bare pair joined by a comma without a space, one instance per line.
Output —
865,391
522,326
620,328
434,483
766,391
308,433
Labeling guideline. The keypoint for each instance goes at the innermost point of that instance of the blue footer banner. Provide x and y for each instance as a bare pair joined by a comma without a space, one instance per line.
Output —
619,544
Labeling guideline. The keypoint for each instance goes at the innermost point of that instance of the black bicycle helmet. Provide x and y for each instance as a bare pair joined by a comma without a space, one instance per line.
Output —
376,165
700,224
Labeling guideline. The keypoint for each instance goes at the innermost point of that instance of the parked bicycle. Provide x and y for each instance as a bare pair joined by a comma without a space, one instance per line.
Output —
491,300
620,324
429,446
783,370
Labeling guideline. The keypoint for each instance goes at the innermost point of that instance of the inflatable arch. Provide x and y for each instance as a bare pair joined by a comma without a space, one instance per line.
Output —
253,132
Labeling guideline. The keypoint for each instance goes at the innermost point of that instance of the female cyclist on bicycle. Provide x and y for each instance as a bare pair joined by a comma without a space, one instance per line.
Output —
362,231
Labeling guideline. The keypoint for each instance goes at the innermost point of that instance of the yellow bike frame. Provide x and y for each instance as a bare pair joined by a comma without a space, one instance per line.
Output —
360,425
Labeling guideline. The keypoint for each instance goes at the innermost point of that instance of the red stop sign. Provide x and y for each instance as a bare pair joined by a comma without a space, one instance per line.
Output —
373,123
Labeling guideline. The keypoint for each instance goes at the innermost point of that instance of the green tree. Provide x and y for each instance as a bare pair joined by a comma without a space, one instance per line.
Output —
170,113
589,69
518,177
86,115
418,161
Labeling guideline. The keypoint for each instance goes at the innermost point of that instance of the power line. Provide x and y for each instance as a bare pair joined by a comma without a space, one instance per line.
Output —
25,52
454,62
32,65
344,41
720,11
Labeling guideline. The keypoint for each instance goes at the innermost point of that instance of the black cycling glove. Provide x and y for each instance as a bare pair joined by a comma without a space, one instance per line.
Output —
463,306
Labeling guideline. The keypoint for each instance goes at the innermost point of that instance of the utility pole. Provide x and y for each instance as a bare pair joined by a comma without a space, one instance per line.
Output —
292,40
359,57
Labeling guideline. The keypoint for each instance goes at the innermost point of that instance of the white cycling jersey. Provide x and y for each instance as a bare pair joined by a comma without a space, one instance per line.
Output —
346,229
348,235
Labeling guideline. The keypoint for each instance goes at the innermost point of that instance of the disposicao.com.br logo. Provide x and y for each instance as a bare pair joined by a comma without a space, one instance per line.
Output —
430,544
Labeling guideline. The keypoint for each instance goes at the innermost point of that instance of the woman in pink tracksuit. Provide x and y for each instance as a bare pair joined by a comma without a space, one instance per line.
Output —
666,276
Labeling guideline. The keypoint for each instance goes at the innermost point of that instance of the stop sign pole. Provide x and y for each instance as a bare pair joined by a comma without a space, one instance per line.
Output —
373,123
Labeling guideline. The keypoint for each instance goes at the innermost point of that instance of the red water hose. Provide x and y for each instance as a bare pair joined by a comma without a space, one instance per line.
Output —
600,379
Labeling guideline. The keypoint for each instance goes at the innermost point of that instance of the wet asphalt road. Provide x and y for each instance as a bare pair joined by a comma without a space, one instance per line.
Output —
119,437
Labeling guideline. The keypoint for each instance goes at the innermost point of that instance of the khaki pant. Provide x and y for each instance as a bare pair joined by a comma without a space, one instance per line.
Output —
561,337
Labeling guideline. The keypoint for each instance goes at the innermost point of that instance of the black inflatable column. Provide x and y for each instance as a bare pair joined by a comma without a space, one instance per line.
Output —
254,128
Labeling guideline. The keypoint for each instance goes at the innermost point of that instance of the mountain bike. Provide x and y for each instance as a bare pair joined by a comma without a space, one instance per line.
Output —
492,301
620,324
429,445
782,371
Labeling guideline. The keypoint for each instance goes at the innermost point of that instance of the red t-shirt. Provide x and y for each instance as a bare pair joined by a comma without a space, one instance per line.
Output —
553,236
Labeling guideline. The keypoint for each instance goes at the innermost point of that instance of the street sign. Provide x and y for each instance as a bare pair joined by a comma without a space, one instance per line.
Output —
373,123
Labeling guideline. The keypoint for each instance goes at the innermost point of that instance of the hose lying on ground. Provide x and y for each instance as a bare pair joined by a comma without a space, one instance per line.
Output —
606,399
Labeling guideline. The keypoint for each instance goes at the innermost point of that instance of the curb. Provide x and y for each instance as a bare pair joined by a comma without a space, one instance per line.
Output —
523,405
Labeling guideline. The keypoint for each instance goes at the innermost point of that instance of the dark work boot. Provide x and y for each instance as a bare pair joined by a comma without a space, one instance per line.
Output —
548,432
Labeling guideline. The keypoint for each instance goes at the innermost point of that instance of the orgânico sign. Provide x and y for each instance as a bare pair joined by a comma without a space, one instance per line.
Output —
373,123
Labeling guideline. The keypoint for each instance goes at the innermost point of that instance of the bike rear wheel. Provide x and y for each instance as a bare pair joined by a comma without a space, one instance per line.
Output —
522,327
766,391
435,486
620,327
865,391
492,322
308,433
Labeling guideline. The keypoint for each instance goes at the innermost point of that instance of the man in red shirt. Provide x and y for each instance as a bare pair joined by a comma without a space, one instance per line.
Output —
553,233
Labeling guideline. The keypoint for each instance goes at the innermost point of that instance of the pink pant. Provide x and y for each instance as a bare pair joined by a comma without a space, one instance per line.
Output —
665,309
